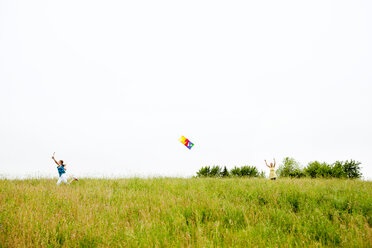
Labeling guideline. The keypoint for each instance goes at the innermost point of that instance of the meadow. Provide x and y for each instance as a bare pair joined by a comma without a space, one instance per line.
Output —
195,212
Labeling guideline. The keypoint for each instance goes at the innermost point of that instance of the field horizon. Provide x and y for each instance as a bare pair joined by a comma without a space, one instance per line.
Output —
186,212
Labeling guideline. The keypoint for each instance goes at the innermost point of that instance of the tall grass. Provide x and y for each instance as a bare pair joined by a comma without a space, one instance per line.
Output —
167,212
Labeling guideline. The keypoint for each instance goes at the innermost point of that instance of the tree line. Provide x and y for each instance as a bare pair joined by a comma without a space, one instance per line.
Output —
218,171
290,168
315,169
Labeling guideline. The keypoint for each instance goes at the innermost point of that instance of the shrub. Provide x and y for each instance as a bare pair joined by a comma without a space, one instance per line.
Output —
317,169
352,169
297,173
225,172
204,172
325,170
215,171
250,171
338,169
235,171
289,168
312,169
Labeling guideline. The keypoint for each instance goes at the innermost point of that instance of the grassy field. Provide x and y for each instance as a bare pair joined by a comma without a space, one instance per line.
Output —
170,212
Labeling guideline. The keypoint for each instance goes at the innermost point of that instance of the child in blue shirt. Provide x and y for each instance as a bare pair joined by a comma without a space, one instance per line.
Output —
61,167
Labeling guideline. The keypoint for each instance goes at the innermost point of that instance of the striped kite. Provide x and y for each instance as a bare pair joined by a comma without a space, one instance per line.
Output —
186,142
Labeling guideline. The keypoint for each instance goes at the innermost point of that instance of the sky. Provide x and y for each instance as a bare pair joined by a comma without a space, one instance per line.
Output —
110,86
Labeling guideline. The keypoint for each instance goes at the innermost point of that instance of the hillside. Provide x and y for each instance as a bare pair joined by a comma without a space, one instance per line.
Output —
171,212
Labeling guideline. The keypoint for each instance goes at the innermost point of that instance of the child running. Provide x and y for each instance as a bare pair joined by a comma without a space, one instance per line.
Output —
61,167
272,175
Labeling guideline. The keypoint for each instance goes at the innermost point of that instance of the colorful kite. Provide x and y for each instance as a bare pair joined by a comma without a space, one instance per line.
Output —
186,142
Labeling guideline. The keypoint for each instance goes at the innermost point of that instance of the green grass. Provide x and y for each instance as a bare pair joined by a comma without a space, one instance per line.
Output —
168,212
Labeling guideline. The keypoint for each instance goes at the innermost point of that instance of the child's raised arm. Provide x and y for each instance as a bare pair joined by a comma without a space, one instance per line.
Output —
55,161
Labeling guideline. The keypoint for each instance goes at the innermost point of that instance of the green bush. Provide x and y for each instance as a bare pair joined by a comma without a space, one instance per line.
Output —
317,169
235,171
297,173
290,168
248,171
338,170
225,172
215,171
325,170
352,169
312,169
204,172
207,171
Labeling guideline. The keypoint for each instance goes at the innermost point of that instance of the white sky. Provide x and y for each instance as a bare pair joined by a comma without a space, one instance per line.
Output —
110,86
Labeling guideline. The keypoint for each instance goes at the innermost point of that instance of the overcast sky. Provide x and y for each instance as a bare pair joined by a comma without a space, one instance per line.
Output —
110,86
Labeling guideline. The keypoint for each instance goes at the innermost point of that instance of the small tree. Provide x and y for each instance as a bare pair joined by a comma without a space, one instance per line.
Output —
352,169
317,169
298,173
250,171
225,172
289,168
204,172
325,170
338,170
312,169
235,171
215,171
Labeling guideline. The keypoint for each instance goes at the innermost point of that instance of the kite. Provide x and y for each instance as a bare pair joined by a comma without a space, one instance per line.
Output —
186,142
